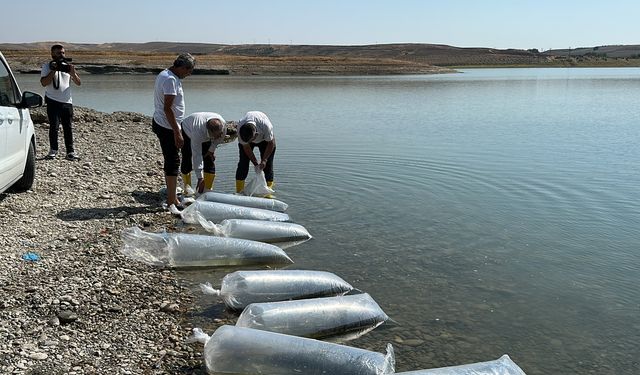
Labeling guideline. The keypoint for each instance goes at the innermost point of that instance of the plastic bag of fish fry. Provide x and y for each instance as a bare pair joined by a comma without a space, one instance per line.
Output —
501,366
193,250
258,230
216,212
243,200
242,288
237,350
338,318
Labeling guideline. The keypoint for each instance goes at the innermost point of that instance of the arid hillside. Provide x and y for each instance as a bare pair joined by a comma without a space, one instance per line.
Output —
310,59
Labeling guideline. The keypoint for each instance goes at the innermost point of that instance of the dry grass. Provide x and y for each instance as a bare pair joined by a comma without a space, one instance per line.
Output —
335,61
32,60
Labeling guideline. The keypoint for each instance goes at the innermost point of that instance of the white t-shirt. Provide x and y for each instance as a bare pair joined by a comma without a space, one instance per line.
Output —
168,83
63,93
195,125
264,129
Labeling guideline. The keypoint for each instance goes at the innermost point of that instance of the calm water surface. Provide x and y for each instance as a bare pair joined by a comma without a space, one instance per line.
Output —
489,212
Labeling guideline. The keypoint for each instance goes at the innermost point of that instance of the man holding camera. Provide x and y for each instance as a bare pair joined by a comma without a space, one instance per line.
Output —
56,77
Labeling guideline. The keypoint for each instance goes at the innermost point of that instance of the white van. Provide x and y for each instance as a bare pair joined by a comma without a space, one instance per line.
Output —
17,136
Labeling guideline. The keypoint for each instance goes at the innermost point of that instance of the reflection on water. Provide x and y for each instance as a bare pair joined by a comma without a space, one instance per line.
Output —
489,212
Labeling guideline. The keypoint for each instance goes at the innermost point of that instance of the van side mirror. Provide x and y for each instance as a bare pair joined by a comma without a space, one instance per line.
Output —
30,100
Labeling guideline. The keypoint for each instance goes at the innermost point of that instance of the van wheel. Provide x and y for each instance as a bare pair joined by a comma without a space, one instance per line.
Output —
26,182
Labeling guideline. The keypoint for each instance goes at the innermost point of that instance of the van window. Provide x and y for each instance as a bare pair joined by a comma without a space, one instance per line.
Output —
8,92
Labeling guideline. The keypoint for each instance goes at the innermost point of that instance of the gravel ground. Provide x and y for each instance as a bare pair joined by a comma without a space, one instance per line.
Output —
83,307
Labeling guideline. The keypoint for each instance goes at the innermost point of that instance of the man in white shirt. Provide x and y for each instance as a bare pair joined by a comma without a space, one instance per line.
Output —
255,129
202,133
168,113
56,77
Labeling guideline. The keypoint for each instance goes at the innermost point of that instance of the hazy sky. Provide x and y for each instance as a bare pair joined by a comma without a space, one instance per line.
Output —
541,24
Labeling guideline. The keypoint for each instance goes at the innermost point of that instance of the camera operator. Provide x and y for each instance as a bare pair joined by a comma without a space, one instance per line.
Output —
55,77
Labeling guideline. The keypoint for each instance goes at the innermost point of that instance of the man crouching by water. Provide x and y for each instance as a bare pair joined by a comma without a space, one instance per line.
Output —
255,129
202,133
167,116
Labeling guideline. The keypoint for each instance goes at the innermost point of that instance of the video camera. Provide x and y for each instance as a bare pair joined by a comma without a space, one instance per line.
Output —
61,64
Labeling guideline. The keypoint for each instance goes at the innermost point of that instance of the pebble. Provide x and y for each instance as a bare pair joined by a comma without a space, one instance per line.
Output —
170,308
413,342
38,356
67,316
84,302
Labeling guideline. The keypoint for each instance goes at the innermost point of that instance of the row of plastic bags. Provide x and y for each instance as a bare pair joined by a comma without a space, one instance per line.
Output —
238,350
284,313
277,331
241,232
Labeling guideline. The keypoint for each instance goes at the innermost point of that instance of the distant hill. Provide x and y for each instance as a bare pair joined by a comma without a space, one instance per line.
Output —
400,58
435,54
621,51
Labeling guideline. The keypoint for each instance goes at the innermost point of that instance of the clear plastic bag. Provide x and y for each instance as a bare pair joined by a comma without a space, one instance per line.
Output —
501,366
242,200
259,230
237,350
338,318
265,231
193,250
257,186
242,288
217,212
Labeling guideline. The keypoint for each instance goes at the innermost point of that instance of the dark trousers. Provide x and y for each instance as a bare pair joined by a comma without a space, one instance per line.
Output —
169,150
187,164
243,164
60,113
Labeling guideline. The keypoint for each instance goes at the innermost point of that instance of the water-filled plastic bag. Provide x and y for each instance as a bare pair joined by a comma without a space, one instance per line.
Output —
339,318
242,288
216,212
501,366
243,200
237,350
193,250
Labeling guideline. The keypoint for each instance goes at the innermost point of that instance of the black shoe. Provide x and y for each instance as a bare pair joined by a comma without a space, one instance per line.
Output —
72,156
51,155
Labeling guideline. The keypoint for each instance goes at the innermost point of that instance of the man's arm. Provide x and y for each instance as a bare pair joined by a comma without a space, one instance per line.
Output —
74,75
46,80
267,153
249,153
171,117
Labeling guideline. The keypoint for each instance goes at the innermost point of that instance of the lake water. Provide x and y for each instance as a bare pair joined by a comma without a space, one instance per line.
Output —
488,212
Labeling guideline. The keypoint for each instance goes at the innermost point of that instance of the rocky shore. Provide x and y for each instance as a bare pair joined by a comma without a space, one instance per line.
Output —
71,302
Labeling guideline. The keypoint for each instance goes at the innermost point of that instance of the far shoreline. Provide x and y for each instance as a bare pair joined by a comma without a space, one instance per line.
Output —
312,60
120,70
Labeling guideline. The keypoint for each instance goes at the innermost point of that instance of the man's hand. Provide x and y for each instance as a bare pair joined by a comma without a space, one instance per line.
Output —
200,186
262,165
210,155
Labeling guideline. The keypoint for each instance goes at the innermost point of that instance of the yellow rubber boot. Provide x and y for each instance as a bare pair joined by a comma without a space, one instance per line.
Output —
270,186
239,186
186,180
208,181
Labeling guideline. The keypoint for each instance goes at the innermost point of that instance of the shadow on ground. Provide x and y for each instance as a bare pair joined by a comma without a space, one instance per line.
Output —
150,199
